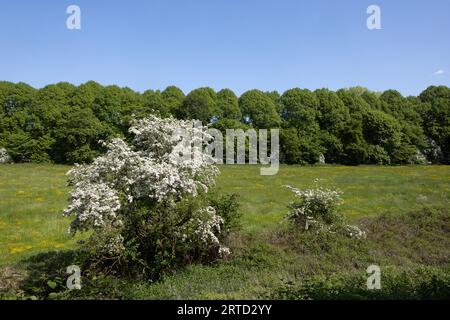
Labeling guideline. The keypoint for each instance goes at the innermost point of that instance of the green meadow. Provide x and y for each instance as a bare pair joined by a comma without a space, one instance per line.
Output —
368,190
33,196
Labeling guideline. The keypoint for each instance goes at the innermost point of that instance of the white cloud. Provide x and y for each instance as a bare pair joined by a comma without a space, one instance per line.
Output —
440,71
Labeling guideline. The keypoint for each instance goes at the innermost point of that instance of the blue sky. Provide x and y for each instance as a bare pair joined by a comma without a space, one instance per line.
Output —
245,44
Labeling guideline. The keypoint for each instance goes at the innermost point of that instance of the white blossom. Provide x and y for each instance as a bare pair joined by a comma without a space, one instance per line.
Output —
95,205
354,231
312,205
114,246
207,228
146,169
318,208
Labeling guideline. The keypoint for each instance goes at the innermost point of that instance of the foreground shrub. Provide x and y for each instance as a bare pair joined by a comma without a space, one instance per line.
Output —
396,283
148,211
417,238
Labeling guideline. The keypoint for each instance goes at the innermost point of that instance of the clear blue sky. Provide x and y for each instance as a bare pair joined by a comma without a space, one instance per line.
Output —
239,44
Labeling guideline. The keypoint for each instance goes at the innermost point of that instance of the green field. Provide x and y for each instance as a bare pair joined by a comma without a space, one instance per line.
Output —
32,198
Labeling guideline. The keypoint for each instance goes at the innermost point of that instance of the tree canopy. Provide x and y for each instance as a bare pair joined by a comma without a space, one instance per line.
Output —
64,123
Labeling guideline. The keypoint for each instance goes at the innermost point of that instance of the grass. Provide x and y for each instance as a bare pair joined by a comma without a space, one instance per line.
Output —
32,198
368,190
31,201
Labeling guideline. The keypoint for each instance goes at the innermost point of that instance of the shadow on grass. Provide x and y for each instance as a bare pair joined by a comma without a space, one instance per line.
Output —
46,272
44,276
411,249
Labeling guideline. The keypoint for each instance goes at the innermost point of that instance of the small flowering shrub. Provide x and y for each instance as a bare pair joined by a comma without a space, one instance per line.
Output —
4,156
317,209
148,211
314,206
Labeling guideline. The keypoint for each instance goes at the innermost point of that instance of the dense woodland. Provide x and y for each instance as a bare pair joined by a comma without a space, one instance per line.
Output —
63,123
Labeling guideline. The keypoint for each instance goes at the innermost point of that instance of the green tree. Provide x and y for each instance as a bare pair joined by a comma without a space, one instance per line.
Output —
404,110
258,110
200,104
437,121
299,109
132,107
332,113
299,113
353,101
78,135
173,99
154,104
276,98
23,148
228,104
299,149
354,145
107,107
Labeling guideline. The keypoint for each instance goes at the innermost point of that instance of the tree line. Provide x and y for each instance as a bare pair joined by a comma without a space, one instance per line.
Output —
64,123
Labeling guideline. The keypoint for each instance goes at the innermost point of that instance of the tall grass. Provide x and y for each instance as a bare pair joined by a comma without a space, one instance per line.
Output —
266,255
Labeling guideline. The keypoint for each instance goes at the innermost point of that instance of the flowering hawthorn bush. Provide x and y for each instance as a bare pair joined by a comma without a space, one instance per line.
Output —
317,208
313,206
147,210
4,156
